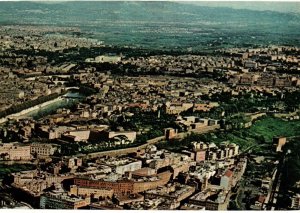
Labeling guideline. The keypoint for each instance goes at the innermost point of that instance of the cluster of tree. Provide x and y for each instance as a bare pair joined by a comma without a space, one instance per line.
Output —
133,70
237,121
179,144
252,102
86,90
7,170
154,120
68,149
107,146
80,54
120,142
131,52
292,100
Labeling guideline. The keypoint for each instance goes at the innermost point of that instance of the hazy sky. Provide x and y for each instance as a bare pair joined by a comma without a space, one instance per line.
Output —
280,6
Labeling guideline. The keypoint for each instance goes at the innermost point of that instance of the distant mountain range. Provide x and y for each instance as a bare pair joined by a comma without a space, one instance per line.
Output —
161,24
282,6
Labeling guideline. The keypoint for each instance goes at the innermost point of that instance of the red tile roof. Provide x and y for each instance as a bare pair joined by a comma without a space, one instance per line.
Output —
261,199
228,173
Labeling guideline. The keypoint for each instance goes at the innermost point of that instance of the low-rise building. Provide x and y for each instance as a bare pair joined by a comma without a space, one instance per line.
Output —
43,149
176,192
122,164
15,151
60,200
296,202
94,192
211,199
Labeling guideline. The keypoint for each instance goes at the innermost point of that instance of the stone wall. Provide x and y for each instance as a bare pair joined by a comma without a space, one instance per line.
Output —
146,185
82,191
124,187
118,152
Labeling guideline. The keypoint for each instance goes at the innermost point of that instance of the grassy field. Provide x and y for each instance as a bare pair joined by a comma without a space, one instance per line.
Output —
261,133
270,127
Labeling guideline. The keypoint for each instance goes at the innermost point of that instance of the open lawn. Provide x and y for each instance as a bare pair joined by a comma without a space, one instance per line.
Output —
270,127
262,132
258,137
